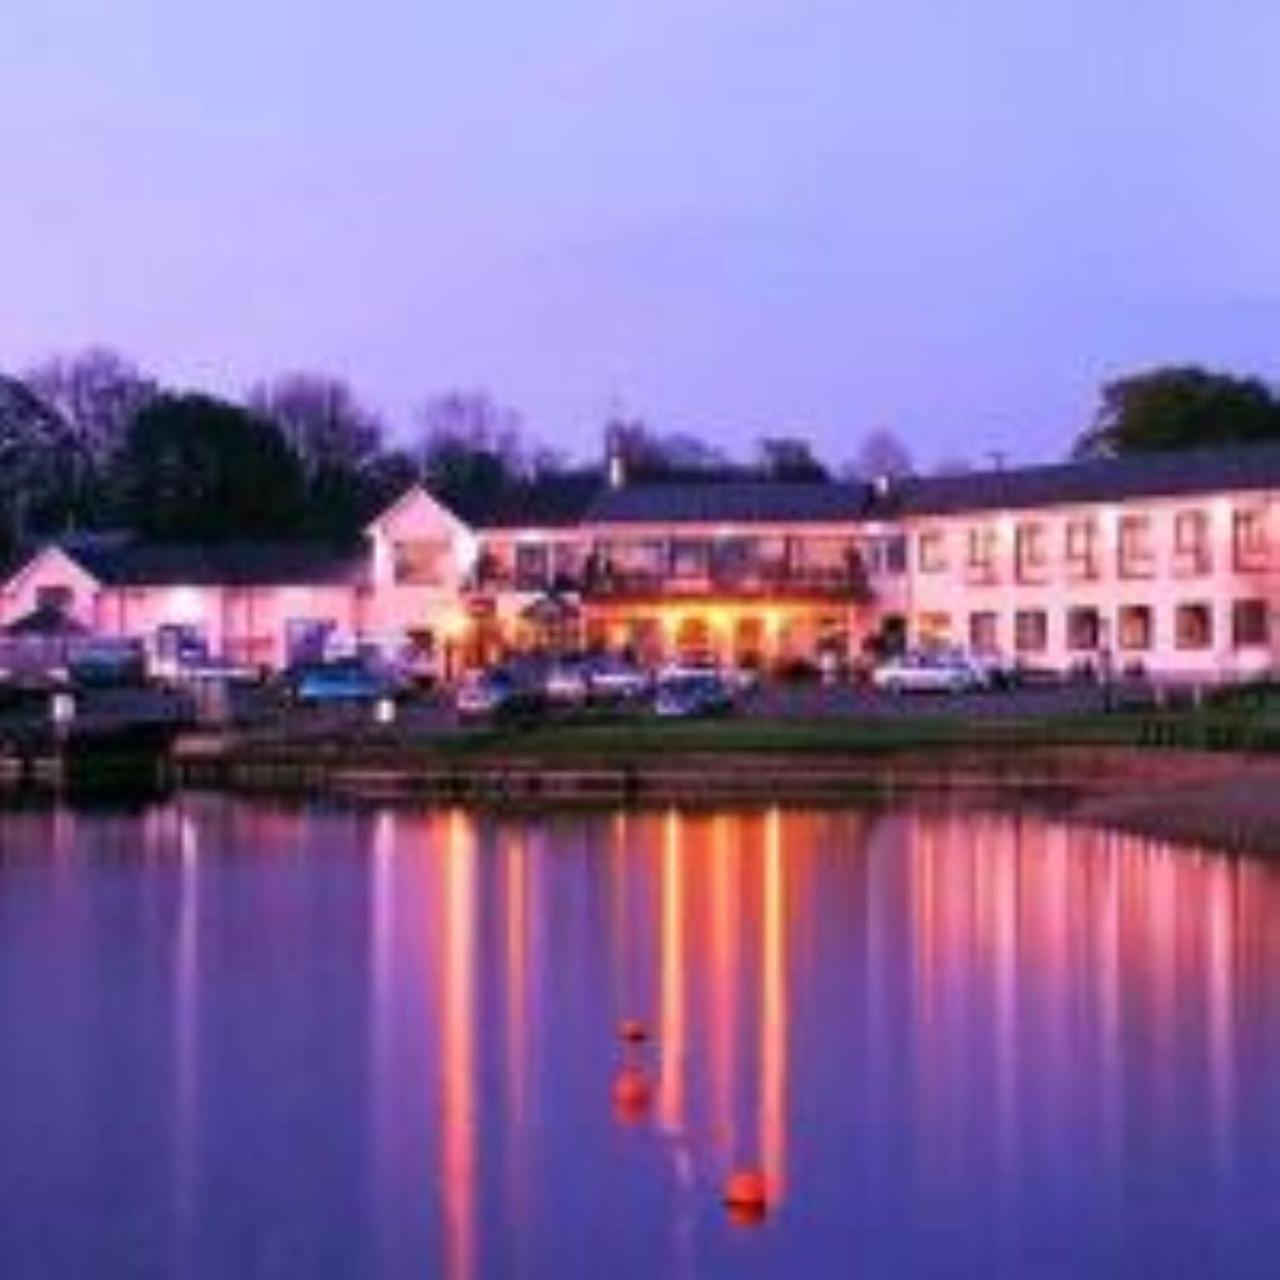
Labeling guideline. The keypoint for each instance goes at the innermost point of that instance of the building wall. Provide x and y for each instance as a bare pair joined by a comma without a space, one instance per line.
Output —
50,571
1185,578
246,624
1023,592
421,567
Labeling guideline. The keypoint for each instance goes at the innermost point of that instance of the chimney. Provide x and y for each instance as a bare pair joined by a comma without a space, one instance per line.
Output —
615,458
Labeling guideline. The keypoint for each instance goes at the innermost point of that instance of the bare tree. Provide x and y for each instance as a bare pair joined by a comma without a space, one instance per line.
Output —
790,458
339,446
470,447
34,449
96,394
323,421
882,453
645,451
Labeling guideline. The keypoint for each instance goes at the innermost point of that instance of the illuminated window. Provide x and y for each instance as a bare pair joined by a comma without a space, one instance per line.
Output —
1250,623
1031,548
933,628
647,557
982,547
932,551
1084,629
693,638
886,556
690,558
1082,547
1031,631
54,599
1136,628
1193,626
1249,538
419,563
533,566
1191,540
736,558
831,554
984,632
1137,557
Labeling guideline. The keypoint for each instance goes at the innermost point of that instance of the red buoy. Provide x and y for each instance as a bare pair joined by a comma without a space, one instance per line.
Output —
746,1195
632,1093
633,1031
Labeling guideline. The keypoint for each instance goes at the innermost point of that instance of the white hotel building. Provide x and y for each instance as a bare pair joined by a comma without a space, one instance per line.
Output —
1169,562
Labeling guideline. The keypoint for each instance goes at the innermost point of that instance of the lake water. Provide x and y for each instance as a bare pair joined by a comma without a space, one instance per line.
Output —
243,1039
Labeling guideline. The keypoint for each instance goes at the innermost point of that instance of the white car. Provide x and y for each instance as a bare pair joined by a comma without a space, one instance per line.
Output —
566,684
738,680
615,678
930,673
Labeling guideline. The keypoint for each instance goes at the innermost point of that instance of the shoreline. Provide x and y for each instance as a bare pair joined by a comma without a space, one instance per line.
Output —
1229,800
1207,781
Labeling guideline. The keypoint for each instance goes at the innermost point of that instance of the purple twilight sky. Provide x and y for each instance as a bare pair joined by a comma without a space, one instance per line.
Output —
952,217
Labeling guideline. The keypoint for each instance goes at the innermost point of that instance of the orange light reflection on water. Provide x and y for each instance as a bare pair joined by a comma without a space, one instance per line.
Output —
458,1051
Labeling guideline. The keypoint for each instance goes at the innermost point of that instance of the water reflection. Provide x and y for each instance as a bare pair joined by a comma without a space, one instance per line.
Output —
989,1041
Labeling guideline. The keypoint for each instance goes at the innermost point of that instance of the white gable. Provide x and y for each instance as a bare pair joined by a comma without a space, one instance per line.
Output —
417,514
49,567
418,522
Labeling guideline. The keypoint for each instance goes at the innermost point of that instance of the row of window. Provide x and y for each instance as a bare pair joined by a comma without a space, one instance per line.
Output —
1088,630
1083,544
424,561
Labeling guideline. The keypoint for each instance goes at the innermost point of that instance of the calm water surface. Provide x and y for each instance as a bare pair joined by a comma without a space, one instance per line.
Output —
242,1039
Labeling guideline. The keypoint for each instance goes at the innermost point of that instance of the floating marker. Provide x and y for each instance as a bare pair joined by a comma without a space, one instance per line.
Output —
632,1093
746,1195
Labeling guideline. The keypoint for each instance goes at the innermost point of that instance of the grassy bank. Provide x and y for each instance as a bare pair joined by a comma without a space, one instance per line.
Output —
1235,728
1208,774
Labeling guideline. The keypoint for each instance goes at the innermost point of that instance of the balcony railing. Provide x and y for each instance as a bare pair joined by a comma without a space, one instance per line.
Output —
764,583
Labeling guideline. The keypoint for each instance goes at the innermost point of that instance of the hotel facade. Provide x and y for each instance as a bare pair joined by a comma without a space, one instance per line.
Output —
1169,563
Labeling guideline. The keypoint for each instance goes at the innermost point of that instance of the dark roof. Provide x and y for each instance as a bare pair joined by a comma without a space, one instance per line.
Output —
1151,475
120,560
730,502
51,624
551,502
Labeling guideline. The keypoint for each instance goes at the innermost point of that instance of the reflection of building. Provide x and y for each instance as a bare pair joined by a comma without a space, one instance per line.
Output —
1167,561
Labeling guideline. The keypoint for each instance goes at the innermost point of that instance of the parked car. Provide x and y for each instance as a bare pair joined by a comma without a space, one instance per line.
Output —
615,679
942,672
693,694
738,680
346,681
27,682
567,683
497,694
107,664
207,669
999,670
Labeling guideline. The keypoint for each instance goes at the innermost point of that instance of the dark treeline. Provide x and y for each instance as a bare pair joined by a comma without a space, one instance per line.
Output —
91,441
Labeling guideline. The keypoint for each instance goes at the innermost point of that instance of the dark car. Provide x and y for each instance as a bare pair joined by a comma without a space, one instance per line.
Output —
107,664
348,681
687,696
499,694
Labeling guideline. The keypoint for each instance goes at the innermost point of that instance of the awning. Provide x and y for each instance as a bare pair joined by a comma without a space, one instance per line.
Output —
550,611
